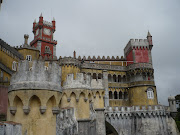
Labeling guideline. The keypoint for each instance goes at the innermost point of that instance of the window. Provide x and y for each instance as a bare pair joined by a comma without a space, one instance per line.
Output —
115,95
29,57
46,68
47,48
150,93
110,95
14,66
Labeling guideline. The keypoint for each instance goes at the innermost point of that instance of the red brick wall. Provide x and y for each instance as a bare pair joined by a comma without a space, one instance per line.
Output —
141,55
3,99
130,57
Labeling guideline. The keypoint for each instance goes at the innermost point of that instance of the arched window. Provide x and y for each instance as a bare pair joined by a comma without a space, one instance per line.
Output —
109,78
115,95
29,57
110,94
114,78
124,78
99,76
119,78
14,66
150,93
125,95
94,76
120,95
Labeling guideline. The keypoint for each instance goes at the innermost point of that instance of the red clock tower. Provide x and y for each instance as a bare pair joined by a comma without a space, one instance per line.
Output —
43,37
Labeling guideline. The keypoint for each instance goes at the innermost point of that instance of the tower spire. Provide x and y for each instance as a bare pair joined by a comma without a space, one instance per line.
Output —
149,34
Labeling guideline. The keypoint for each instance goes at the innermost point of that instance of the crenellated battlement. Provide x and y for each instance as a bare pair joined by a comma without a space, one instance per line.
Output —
143,111
69,61
136,44
36,77
103,58
82,82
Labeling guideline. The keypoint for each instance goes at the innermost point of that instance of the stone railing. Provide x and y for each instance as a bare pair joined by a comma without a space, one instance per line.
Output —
103,67
136,110
69,61
114,67
139,65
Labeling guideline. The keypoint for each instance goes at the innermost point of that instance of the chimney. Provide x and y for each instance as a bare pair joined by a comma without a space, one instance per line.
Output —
74,53
26,36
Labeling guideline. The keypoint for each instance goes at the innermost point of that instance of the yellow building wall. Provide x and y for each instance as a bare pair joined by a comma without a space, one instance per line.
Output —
80,100
33,53
7,59
117,63
138,96
67,69
34,123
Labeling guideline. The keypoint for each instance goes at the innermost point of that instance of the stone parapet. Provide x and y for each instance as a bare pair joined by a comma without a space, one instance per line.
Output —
37,77
82,82
115,67
69,61
137,44
141,111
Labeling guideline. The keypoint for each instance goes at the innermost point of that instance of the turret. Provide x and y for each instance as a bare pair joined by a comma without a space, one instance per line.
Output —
172,106
34,95
149,38
43,37
139,50
54,24
40,20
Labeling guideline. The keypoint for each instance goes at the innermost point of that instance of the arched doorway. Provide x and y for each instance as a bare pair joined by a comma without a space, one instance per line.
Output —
110,130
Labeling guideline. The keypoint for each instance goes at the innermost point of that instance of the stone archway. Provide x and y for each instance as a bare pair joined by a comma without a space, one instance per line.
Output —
110,130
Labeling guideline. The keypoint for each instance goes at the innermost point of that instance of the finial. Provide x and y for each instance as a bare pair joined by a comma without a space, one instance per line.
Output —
53,19
41,15
148,35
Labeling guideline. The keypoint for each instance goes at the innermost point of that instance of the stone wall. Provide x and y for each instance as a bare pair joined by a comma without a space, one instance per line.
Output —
10,128
136,120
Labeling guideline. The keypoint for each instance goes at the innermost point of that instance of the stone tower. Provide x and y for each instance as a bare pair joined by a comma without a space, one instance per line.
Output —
34,96
43,37
172,106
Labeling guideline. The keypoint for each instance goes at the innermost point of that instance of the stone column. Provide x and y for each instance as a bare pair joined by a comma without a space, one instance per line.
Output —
105,84
100,122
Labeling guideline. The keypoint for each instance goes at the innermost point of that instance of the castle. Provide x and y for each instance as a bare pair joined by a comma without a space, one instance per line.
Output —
43,95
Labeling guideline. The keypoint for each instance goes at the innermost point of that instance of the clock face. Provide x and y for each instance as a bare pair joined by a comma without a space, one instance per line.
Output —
47,31
37,32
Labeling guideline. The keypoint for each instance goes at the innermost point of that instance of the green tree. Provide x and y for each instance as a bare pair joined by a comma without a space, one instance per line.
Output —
177,119
177,97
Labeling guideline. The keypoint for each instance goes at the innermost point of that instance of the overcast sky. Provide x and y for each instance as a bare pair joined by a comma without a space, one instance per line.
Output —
104,27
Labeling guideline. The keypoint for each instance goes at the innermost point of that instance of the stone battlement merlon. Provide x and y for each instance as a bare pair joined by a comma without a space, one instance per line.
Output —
37,77
82,81
135,108
143,111
103,58
69,61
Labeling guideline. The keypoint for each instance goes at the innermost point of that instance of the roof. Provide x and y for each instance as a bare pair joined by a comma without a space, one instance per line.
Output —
11,49
149,34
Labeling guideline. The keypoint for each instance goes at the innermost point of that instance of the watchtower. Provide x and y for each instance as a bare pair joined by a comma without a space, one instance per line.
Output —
43,37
